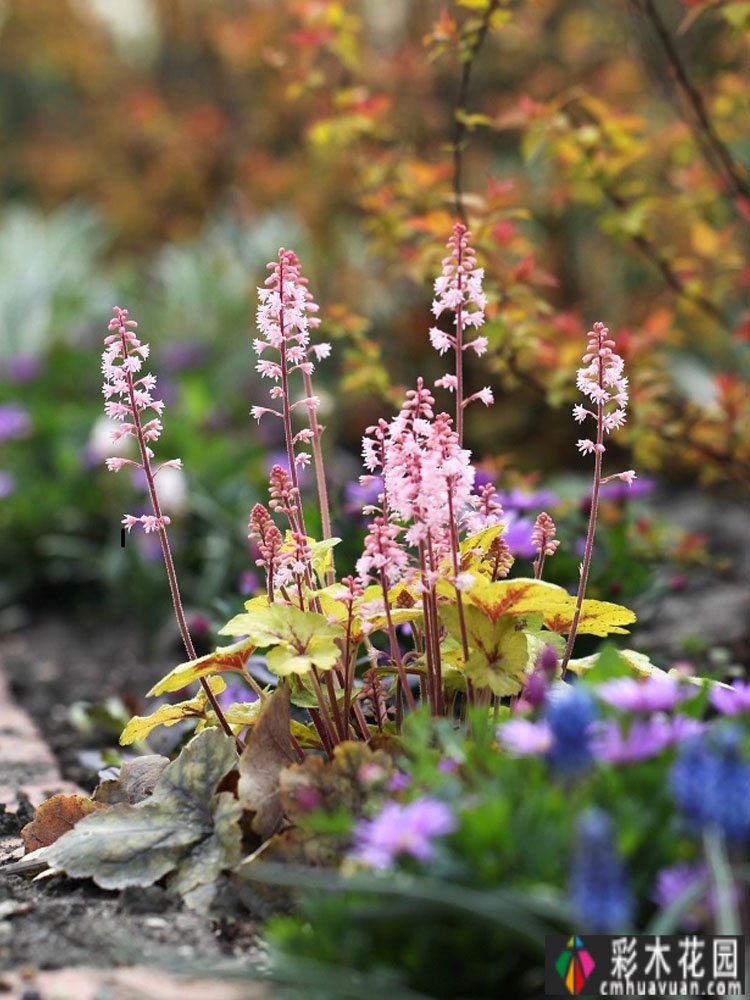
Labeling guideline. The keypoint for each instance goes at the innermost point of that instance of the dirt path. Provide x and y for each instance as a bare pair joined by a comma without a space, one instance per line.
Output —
71,941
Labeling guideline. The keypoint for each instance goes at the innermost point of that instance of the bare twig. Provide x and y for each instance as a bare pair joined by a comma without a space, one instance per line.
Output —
646,246
461,107
715,149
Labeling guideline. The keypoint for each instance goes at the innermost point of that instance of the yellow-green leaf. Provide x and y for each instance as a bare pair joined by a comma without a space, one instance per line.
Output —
140,726
224,659
498,650
517,597
597,618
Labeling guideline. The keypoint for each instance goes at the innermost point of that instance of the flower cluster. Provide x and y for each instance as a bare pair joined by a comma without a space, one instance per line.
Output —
286,314
601,379
127,399
427,482
458,289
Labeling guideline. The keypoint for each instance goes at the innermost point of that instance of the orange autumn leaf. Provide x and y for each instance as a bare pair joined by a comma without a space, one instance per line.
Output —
55,817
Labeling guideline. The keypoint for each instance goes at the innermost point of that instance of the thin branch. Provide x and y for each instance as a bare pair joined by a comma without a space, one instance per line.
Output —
461,107
703,128
648,248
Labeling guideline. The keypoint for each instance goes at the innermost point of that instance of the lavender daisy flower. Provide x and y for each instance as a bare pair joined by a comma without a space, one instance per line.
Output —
361,493
517,535
733,700
673,882
402,830
524,501
645,738
22,368
526,738
657,693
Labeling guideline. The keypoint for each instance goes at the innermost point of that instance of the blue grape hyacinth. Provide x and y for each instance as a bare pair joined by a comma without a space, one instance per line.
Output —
600,890
710,783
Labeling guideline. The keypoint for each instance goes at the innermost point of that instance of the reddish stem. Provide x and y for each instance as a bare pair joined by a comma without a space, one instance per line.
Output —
588,552
166,550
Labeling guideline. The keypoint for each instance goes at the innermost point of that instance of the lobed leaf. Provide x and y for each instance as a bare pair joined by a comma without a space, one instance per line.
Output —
135,845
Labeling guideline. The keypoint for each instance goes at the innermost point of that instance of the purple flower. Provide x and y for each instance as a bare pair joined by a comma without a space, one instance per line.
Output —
236,692
517,534
182,355
360,493
22,368
249,583
617,490
14,422
522,500
7,484
526,738
657,693
448,766
643,739
733,700
402,829
672,882
399,782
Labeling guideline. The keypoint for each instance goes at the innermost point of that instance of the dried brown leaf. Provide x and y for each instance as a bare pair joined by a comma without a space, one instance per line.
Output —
55,817
267,752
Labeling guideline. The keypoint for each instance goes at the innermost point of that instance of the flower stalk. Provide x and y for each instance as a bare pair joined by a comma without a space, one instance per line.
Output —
122,358
602,380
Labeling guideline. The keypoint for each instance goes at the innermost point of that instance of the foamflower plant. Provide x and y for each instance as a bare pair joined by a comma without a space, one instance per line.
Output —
431,615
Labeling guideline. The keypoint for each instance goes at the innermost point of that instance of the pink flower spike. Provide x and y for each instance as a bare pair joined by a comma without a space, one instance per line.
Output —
458,289
543,536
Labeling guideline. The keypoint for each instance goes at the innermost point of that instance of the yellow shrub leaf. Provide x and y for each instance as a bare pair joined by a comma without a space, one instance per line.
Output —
223,660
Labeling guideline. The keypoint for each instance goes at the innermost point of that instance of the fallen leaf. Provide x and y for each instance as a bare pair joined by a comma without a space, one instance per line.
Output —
135,782
135,845
56,816
267,752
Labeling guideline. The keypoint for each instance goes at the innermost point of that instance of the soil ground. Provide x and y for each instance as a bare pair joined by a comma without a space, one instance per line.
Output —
56,923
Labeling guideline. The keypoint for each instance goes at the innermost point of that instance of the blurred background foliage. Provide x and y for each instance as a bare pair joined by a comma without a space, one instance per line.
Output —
157,152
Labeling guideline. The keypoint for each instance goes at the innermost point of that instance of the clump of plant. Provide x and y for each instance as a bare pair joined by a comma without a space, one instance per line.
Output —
431,616
431,619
